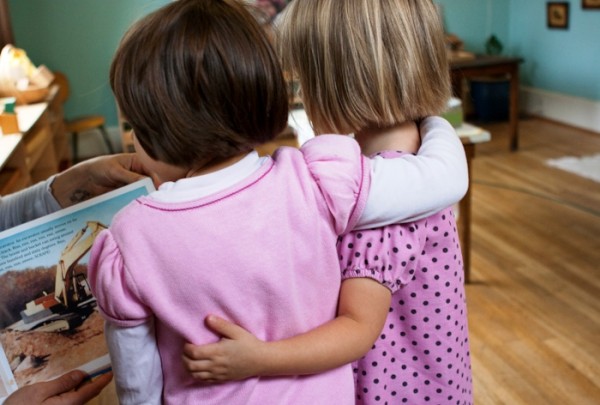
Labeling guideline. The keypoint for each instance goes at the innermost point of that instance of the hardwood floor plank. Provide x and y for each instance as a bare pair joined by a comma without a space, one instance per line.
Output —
577,357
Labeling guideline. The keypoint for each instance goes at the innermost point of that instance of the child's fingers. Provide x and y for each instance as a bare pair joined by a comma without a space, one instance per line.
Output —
206,377
203,352
205,371
194,366
224,328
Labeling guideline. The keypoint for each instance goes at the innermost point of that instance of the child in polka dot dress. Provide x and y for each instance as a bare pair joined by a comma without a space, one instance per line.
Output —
422,353
354,79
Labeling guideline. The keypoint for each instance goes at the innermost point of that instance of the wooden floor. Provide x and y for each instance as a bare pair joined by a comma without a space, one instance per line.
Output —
534,299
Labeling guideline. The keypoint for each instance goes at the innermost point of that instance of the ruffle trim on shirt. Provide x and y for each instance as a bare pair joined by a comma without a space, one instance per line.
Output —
373,274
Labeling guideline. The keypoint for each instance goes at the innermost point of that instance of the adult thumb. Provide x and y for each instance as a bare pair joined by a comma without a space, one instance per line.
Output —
64,383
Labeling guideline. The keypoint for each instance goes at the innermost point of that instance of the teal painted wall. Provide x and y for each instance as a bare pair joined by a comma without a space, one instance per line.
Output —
79,38
560,61
475,20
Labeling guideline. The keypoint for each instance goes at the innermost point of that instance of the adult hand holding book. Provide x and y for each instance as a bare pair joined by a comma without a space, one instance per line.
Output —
49,325
72,388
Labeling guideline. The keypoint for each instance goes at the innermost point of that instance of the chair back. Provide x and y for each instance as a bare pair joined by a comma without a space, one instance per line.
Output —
63,86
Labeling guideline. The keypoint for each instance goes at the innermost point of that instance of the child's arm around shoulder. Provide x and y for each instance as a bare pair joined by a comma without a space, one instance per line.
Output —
413,187
390,191
362,312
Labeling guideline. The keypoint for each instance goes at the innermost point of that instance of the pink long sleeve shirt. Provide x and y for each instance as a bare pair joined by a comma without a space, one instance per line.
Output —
260,253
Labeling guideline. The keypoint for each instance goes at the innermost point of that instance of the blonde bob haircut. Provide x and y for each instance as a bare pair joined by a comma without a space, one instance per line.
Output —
365,63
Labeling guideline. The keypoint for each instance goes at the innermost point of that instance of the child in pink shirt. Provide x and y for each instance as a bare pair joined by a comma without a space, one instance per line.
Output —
422,353
229,232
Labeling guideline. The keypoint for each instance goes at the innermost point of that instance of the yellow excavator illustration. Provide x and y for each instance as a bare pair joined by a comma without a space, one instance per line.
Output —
72,301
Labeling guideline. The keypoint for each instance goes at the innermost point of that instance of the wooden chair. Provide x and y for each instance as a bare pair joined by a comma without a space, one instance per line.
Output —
78,125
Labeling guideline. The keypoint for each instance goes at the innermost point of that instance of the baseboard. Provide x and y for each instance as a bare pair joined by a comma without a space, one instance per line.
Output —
575,111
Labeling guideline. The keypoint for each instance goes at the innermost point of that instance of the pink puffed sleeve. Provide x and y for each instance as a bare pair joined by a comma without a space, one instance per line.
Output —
388,254
343,175
113,288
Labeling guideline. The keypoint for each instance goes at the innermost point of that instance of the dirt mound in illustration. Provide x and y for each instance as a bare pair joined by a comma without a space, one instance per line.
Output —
38,356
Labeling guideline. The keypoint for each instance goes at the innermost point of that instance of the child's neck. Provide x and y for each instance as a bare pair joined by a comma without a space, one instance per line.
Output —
403,137
213,167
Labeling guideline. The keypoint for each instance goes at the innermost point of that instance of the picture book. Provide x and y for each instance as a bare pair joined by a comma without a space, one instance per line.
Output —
49,322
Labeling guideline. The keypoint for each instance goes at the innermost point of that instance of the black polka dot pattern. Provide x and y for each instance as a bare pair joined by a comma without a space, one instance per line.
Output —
422,355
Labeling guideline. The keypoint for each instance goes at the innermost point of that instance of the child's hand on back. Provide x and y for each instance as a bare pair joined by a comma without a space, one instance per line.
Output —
235,357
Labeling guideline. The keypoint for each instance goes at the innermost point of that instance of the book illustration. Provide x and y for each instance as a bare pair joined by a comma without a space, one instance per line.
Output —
72,302
49,322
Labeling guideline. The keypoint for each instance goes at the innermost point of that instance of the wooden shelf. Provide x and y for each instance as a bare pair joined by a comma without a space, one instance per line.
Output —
37,143
11,180
41,174
13,168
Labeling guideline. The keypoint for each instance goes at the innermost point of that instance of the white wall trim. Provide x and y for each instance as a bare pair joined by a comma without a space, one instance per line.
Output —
576,111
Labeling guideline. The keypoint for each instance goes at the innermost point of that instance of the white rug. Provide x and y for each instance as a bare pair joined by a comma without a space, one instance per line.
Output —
585,166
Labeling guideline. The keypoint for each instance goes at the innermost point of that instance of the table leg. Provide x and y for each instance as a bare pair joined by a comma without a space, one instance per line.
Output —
514,109
464,217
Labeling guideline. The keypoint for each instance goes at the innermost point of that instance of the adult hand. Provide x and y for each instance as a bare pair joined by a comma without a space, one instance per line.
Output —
96,176
69,389
235,357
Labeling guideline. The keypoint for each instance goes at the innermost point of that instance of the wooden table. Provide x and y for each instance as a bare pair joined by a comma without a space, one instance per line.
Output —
28,154
492,66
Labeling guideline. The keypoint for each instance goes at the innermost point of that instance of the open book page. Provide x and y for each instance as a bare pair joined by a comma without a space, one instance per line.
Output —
49,323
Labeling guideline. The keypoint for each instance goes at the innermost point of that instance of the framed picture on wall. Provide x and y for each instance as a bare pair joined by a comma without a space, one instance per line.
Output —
558,14
590,4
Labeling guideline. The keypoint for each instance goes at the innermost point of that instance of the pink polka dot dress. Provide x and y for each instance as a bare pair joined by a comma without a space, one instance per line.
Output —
422,355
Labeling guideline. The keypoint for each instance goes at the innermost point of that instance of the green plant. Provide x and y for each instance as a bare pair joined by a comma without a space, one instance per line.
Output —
493,46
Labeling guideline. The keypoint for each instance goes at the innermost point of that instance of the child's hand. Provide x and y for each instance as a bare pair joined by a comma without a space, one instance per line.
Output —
235,357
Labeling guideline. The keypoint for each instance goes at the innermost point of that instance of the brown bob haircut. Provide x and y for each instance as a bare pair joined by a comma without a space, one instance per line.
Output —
199,81
366,63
